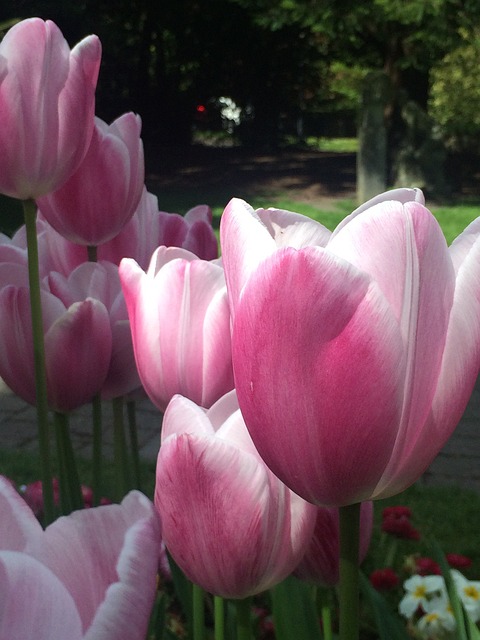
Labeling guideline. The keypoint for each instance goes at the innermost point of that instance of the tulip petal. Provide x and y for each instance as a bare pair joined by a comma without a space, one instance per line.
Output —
403,248
290,229
224,498
331,364
245,241
18,525
112,574
78,349
33,602
458,371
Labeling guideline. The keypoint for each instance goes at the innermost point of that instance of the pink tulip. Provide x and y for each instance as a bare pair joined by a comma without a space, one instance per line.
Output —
100,281
89,575
150,228
321,562
180,325
228,522
47,95
78,345
101,196
354,361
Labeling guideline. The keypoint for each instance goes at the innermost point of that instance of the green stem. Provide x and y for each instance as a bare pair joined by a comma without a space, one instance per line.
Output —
70,488
132,427
198,613
244,619
97,449
30,216
120,450
219,616
323,603
349,574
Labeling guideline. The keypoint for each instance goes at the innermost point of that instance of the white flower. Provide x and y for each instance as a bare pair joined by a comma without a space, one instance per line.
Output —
469,593
420,589
438,617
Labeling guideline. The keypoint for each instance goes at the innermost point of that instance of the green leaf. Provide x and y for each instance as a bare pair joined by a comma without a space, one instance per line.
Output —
388,626
294,611
455,601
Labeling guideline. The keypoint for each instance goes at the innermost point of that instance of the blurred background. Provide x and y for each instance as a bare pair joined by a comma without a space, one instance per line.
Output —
271,74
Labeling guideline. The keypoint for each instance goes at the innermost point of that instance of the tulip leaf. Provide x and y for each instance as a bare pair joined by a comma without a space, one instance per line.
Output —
387,625
455,602
294,611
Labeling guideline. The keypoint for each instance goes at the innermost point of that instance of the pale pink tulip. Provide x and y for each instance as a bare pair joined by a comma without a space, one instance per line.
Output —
100,281
228,522
47,95
354,361
102,195
180,325
89,575
78,344
150,228
321,561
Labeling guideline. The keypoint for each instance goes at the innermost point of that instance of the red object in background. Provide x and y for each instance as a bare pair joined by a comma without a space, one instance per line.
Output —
384,579
401,527
201,108
396,512
427,567
457,561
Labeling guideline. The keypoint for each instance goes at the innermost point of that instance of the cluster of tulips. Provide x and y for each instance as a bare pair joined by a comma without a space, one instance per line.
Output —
302,375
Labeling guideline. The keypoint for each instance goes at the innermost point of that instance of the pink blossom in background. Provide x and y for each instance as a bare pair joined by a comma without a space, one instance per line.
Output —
100,281
78,345
102,195
380,346
47,103
150,228
321,562
180,324
228,522
89,575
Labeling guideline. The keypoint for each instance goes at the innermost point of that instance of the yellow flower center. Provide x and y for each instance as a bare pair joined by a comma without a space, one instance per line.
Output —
471,592
420,591
432,617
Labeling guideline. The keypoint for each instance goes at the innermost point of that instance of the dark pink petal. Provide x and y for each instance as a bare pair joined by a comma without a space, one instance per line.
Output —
318,360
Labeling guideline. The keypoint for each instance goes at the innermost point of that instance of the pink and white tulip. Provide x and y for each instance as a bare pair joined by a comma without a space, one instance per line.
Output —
102,195
89,575
355,360
100,281
47,95
228,522
180,324
78,345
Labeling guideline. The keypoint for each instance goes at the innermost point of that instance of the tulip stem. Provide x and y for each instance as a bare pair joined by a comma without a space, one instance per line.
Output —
132,427
198,613
70,489
30,216
349,573
92,253
219,616
244,619
122,474
97,449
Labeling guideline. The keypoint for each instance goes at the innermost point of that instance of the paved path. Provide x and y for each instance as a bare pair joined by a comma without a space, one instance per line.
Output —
459,461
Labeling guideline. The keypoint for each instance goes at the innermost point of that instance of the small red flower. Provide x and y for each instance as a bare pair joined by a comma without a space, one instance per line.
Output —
427,567
457,561
401,527
384,579
396,512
